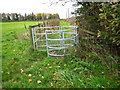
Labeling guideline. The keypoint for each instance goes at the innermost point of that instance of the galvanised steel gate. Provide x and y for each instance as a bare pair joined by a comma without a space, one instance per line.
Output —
56,40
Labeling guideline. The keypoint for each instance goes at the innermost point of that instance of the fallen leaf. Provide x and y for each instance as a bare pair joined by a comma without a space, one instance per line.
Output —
42,77
30,75
30,80
8,72
39,82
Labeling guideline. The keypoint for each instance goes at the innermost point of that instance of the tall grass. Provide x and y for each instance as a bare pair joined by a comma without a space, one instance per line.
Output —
25,68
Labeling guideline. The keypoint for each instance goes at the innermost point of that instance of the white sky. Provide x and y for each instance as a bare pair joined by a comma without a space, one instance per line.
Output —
35,6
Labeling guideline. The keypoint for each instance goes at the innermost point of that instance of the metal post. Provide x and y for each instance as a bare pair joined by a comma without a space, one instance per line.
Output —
36,44
47,43
60,28
76,37
63,36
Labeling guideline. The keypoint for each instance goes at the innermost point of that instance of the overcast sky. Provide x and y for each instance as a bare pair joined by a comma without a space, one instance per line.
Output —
35,6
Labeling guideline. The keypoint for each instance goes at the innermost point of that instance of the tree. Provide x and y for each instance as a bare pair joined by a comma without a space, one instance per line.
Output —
4,16
16,17
8,17
25,16
44,16
50,16
57,16
39,16
33,16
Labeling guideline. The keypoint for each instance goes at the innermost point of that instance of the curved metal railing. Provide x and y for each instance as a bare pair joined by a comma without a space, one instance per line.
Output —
56,42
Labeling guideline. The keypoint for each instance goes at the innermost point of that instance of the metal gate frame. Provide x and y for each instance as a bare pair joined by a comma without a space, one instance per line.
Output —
45,34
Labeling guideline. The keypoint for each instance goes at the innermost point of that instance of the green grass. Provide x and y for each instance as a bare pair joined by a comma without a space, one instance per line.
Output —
24,68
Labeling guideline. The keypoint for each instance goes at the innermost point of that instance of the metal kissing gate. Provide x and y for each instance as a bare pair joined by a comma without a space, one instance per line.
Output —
56,40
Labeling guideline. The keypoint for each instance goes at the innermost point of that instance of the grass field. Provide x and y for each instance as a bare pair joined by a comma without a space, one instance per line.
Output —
24,68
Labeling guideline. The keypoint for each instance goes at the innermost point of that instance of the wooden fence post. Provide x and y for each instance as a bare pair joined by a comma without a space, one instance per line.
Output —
30,28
